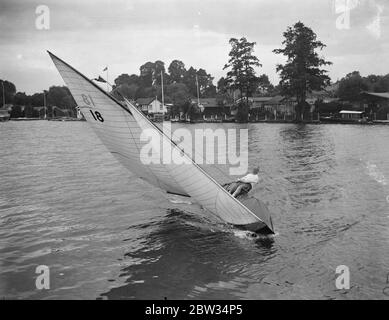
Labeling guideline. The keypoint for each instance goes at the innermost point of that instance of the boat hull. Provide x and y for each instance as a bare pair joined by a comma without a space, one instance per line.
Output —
264,224
257,227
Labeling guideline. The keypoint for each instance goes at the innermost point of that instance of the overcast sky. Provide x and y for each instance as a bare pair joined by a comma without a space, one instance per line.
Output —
125,34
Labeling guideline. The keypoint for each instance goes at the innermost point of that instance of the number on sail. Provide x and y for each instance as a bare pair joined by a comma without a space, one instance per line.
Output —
97,116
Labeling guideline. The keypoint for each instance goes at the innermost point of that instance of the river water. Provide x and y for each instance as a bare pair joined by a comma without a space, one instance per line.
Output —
66,203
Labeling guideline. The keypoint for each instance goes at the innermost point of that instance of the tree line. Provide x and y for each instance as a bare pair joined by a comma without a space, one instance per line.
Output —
303,73
179,83
55,96
351,86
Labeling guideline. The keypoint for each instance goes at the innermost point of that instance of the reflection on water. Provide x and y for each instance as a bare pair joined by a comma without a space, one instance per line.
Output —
66,203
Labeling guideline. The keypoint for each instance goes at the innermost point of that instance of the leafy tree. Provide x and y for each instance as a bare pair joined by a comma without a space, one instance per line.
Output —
21,99
179,83
206,87
159,66
178,93
146,74
150,73
16,112
36,100
205,81
378,83
57,96
190,81
222,85
124,78
177,71
301,73
264,84
241,64
351,86
9,91
129,91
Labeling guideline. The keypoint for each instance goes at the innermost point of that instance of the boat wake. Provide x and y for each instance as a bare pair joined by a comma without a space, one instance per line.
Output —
249,235
242,234
179,201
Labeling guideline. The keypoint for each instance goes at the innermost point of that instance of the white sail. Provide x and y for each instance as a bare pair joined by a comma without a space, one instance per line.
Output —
120,131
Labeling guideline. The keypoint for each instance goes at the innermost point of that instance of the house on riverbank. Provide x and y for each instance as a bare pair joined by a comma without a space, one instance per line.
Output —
211,109
272,108
351,115
376,105
152,107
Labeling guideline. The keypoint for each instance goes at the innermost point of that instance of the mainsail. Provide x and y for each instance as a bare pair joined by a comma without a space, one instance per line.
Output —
120,129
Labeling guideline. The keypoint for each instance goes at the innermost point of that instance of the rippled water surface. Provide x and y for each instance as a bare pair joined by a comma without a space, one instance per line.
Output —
66,203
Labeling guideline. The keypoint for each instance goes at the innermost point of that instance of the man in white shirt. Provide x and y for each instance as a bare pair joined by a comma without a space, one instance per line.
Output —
244,184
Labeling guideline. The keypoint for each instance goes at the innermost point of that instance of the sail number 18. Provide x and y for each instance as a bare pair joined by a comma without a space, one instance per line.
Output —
89,101
97,116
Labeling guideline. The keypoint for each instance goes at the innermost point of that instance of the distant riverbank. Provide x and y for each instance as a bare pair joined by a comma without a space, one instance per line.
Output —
376,122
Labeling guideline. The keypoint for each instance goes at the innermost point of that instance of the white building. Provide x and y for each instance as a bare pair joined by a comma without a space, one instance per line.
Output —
351,114
151,105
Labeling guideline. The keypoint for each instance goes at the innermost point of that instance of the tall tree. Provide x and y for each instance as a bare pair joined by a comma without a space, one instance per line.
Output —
302,72
241,64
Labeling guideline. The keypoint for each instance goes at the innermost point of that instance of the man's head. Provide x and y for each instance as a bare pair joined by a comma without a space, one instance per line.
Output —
256,170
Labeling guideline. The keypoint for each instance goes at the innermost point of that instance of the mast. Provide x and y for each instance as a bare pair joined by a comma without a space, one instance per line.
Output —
2,82
107,80
163,99
198,92
44,104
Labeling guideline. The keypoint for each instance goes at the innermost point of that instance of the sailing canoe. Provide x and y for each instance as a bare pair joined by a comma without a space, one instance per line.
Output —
120,127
